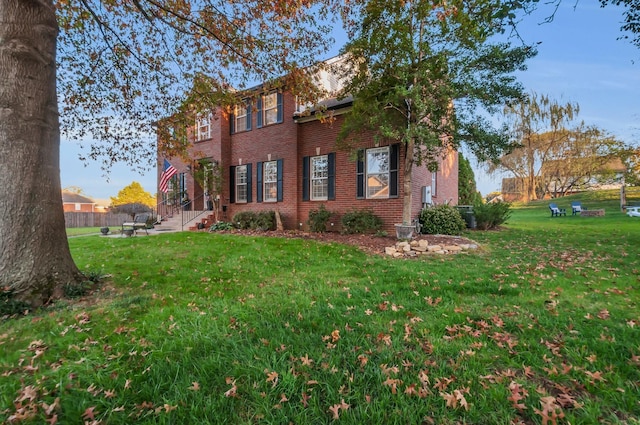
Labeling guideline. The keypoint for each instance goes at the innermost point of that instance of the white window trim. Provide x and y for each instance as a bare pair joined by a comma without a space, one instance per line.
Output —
237,116
203,127
270,195
324,179
240,168
265,109
434,183
367,174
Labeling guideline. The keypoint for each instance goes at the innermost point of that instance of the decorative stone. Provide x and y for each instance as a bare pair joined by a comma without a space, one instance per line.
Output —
452,248
423,243
434,248
398,255
390,250
413,243
420,248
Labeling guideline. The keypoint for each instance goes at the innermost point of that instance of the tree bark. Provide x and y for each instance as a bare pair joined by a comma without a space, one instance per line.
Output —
35,261
407,198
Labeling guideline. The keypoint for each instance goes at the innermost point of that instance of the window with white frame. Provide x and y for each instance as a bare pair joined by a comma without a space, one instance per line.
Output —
270,181
377,173
203,127
241,183
270,108
241,118
434,181
319,178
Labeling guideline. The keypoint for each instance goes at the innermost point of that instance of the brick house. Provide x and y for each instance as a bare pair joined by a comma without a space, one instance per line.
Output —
273,157
73,202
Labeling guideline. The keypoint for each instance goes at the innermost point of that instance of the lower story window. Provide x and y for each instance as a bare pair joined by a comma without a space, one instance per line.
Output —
378,173
320,178
241,183
270,181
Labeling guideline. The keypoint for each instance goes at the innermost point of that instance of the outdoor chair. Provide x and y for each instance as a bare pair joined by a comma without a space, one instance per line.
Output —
557,212
576,207
139,222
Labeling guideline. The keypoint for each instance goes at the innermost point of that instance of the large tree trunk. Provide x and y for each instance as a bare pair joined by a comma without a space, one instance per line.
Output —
407,198
35,261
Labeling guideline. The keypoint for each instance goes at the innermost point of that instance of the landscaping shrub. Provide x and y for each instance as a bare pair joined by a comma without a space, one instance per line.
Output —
490,216
264,220
361,221
9,306
318,219
220,226
441,220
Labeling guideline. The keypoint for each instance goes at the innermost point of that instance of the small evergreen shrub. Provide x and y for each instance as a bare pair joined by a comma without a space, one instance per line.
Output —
264,220
490,216
441,220
361,221
318,219
244,220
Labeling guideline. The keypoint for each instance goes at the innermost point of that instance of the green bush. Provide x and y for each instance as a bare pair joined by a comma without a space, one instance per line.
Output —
318,219
220,226
361,221
264,220
490,216
441,220
9,306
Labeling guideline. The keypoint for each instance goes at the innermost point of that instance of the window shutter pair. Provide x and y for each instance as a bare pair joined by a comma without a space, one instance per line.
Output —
306,177
394,153
260,118
260,186
232,118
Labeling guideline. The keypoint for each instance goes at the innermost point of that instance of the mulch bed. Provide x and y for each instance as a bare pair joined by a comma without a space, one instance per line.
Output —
372,244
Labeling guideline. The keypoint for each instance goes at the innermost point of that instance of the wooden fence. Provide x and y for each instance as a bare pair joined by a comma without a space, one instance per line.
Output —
89,219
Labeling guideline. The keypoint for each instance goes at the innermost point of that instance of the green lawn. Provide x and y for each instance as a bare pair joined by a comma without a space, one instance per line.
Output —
541,325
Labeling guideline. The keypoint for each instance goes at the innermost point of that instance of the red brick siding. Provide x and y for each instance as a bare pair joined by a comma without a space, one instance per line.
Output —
291,142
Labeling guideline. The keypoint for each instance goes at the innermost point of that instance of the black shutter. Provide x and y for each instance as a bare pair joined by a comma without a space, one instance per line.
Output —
280,185
305,178
360,175
393,170
280,110
232,184
248,182
259,112
331,195
259,182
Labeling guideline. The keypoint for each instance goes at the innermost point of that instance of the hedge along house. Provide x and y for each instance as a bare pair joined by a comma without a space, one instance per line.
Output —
273,155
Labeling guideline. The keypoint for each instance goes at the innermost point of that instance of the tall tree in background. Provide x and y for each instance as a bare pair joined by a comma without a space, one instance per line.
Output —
538,126
467,190
420,71
133,194
122,65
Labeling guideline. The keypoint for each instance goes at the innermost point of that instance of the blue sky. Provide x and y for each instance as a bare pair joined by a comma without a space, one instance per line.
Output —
580,59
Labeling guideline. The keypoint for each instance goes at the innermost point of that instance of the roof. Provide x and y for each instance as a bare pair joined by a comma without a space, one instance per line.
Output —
74,198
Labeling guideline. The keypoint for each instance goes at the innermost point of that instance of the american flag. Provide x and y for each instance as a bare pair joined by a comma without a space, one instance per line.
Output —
168,172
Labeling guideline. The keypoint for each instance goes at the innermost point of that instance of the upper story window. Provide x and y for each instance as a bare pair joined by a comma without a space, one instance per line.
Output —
203,126
270,109
241,119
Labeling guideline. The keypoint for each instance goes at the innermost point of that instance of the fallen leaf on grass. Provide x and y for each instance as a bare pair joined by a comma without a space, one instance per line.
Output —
194,386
